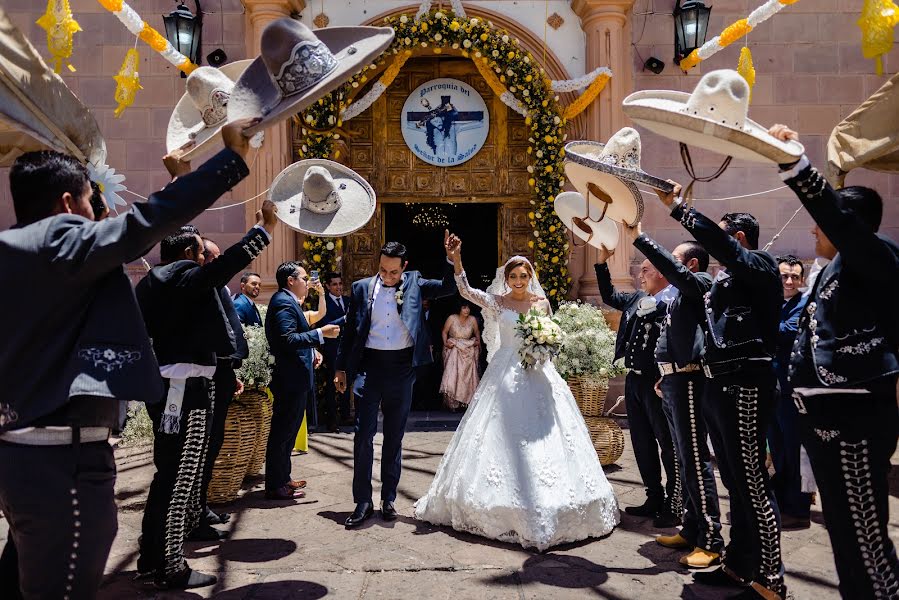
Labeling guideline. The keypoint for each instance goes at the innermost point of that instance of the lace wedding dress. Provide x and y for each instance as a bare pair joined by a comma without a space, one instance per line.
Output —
521,467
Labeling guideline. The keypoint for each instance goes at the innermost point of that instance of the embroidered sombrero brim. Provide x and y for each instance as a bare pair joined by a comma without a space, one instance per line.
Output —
257,95
572,205
186,119
587,152
664,112
358,200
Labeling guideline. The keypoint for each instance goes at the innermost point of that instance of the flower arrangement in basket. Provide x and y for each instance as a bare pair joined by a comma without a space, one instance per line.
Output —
256,370
541,338
588,344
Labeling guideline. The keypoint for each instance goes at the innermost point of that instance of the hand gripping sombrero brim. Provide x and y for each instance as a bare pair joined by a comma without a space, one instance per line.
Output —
664,112
257,95
571,205
186,119
358,200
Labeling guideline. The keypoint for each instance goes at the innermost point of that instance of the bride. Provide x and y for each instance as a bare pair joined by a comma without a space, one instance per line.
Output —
521,467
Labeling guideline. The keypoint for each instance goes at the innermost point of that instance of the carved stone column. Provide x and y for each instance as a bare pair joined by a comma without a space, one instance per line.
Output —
606,23
275,153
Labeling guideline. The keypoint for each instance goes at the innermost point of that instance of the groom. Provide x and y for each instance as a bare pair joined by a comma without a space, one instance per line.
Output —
385,337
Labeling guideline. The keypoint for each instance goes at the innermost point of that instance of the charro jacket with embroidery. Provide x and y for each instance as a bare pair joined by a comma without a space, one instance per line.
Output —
848,332
743,305
638,333
682,340
80,332
182,308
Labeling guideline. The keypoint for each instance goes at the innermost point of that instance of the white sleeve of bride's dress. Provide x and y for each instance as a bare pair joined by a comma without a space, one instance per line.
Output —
481,298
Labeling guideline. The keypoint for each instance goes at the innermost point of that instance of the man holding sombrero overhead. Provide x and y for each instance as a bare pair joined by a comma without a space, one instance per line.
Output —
742,315
843,371
605,175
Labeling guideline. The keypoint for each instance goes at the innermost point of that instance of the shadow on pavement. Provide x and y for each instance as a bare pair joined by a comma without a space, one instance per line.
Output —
254,550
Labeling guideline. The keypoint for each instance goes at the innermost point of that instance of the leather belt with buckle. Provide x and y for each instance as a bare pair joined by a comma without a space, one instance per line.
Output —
672,368
53,436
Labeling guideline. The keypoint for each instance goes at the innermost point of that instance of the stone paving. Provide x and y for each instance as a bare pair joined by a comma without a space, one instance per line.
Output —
300,550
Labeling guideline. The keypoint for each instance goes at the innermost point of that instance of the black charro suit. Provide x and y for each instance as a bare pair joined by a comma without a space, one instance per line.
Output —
843,371
679,353
650,434
742,319
93,347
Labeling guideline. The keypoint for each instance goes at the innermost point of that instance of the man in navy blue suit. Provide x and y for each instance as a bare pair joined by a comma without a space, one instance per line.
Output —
336,407
292,343
386,338
244,302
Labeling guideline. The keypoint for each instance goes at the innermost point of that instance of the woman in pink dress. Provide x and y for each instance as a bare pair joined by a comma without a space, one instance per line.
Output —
462,349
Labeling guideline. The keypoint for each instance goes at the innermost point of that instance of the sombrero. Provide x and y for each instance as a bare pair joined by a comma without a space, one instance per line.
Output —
613,167
714,117
203,109
323,198
298,66
587,220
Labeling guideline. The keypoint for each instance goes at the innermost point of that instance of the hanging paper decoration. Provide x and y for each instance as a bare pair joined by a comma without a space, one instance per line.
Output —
746,68
877,21
128,82
137,26
734,32
110,184
61,28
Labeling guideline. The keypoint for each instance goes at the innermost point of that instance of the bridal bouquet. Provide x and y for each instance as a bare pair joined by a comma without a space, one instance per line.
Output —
541,338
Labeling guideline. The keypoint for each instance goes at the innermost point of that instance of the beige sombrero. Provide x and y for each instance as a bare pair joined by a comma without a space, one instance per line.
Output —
203,109
298,66
587,219
321,197
613,168
713,117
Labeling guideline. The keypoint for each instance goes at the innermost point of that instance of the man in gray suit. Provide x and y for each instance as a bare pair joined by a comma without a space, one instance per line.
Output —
75,349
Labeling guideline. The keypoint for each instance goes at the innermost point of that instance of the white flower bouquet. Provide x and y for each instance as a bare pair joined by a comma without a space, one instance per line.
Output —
588,343
541,338
256,369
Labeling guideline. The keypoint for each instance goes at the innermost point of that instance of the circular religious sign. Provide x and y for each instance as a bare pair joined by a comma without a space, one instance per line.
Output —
445,122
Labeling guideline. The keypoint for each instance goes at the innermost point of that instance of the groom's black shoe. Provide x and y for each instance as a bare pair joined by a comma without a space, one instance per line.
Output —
388,512
363,511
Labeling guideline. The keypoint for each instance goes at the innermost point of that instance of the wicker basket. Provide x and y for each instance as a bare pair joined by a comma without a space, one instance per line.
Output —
590,394
259,402
237,449
607,438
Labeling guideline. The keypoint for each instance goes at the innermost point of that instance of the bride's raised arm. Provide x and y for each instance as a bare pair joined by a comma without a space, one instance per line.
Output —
481,298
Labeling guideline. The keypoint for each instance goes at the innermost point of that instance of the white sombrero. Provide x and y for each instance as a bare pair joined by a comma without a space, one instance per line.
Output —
613,167
587,219
321,197
713,117
298,66
203,109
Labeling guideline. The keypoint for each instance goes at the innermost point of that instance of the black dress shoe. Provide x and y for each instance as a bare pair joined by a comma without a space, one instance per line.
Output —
647,509
363,511
388,512
666,520
185,580
213,518
719,578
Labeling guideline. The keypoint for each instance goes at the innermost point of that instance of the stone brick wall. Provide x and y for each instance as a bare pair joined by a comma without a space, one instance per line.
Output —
810,73
136,140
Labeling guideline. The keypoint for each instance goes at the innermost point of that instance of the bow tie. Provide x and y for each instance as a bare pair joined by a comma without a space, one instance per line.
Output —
392,287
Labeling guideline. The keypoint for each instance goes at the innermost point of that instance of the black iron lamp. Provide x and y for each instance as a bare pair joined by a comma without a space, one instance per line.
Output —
183,31
691,24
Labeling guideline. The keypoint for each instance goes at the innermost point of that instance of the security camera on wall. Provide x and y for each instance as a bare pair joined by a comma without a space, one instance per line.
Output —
654,64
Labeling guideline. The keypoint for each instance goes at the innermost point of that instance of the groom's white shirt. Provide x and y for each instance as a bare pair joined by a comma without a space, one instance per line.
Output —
387,332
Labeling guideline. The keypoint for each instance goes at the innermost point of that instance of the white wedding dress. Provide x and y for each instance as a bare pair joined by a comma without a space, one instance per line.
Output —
521,467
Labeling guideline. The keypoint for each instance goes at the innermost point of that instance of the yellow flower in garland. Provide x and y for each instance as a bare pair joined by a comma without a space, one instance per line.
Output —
733,32
127,82
61,27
